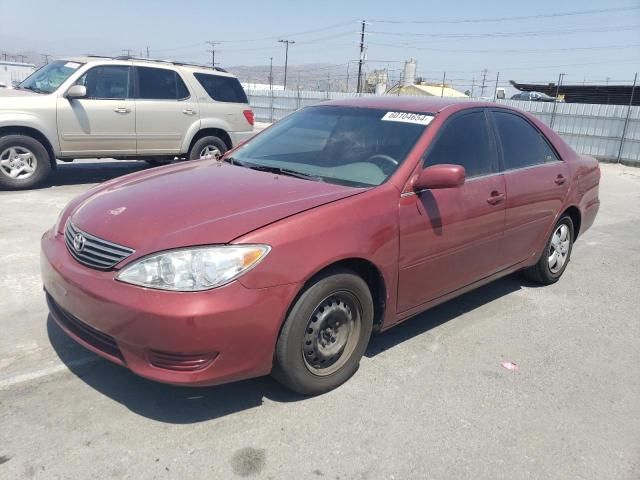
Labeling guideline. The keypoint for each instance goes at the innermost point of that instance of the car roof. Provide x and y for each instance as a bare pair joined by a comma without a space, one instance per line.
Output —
151,62
407,103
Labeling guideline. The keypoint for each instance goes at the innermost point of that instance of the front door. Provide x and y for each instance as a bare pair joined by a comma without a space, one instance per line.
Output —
537,182
165,111
103,123
450,238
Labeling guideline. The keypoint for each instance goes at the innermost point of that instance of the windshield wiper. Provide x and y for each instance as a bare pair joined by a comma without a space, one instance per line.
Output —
33,89
276,170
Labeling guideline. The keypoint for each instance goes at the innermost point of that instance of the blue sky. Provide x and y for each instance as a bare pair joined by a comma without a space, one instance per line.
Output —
248,31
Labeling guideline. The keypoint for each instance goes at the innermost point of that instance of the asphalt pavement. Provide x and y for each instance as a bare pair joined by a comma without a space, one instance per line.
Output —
431,400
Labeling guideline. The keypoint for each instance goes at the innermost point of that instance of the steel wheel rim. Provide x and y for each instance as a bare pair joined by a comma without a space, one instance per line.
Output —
332,333
210,151
18,163
559,248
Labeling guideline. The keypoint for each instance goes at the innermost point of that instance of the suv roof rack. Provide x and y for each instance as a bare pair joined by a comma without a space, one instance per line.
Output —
172,62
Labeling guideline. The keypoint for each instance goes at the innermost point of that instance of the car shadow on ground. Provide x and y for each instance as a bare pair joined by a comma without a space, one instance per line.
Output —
184,405
93,172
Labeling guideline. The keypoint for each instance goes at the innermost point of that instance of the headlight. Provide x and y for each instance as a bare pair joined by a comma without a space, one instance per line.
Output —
193,269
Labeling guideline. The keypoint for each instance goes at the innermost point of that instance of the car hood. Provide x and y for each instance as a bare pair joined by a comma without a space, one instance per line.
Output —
12,92
196,203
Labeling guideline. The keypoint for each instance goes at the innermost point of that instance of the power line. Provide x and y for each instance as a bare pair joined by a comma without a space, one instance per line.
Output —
508,51
520,17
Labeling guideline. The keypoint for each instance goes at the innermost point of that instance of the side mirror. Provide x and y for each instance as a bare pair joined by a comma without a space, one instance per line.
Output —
76,91
440,176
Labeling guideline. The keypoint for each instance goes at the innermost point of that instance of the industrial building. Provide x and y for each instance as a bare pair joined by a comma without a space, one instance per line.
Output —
411,86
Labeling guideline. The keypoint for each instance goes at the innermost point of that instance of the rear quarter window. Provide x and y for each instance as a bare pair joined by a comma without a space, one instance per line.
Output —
222,89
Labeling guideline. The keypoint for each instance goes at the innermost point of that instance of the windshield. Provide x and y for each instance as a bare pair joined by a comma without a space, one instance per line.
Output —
345,145
48,78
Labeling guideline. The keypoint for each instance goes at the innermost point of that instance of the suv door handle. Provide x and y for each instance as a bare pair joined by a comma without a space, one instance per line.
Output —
560,179
188,111
121,110
495,198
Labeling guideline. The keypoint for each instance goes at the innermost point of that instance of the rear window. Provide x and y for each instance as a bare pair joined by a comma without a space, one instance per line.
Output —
222,89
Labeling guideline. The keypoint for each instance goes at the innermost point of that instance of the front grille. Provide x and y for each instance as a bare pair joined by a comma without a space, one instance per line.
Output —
93,251
101,341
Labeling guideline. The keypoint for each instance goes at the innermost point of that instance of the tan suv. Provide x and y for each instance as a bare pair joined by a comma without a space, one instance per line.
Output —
123,108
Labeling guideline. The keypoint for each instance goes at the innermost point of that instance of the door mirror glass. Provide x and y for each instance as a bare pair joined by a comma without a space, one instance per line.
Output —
77,91
440,176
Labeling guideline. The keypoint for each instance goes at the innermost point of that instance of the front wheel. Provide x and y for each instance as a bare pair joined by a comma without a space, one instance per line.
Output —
207,147
556,255
24,162
325,334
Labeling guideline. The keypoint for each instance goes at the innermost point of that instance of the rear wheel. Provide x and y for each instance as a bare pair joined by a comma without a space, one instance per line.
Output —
556,255
207,147
325,334
24,162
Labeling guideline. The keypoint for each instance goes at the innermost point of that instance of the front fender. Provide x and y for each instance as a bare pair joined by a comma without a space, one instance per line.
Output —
48,129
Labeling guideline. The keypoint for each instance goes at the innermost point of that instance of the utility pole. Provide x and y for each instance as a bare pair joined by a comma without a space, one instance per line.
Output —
286,58
626,120
213,53
271,74
484,77
126,51
473,85
45,56
495,91
361,61
148,56
555,102
444,78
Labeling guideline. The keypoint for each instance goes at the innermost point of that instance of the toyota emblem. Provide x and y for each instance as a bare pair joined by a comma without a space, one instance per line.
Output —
78,242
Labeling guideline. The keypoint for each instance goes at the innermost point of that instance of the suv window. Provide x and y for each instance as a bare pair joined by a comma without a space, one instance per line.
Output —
107,82
464,141
222,89
160,84
522,144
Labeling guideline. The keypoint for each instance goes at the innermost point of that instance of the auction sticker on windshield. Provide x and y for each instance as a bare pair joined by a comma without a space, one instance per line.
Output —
408,117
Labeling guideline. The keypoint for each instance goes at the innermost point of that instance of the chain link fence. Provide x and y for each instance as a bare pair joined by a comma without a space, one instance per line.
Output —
610,133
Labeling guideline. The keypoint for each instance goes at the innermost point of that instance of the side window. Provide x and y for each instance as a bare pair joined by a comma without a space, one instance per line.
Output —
464,141
107,82
522,144
160,84
222,89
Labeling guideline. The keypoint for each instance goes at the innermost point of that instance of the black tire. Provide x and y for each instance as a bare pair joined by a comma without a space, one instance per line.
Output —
201,144
334,297
542,272
42,164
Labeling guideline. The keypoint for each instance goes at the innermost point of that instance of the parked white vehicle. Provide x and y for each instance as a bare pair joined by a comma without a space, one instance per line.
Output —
123,108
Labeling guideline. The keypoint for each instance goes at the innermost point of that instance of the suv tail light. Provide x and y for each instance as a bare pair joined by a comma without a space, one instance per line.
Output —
248,114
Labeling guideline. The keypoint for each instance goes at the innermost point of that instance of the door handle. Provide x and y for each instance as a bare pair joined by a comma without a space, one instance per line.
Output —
188,111
495,198
560,179
121,110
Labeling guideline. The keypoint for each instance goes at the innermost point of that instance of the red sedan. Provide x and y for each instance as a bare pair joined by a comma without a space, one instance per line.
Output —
339,220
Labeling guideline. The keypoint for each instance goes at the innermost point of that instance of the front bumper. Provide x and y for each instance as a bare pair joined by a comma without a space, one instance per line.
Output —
232,329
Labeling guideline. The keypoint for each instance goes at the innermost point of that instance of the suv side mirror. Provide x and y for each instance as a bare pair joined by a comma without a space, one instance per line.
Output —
76,91
440,176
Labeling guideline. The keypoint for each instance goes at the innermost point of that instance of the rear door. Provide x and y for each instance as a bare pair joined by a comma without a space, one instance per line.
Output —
104,122
537,183
165,111
450,238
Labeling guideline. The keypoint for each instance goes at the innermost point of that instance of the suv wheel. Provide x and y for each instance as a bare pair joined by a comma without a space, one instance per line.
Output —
325,334
206,147
24,162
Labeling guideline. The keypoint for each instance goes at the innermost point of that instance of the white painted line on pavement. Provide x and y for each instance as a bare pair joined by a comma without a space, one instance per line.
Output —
45,372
